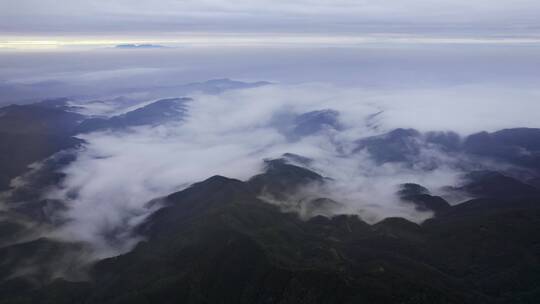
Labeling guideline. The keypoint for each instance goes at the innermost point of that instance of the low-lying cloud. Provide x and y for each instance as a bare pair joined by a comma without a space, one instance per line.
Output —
118,172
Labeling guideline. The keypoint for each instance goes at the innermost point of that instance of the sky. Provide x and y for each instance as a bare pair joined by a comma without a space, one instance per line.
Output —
29,76
42,23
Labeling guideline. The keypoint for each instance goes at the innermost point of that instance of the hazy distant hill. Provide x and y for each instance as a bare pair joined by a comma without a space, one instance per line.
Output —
139,46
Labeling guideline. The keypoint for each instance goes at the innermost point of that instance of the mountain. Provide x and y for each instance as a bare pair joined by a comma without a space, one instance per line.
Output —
158,112
281,179
30,133
422,198
520,146
218,242
495,185
315,121
398,145
275,238
34,132
215,86
516,149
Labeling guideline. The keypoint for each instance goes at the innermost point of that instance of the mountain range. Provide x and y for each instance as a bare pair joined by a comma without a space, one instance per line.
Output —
266,239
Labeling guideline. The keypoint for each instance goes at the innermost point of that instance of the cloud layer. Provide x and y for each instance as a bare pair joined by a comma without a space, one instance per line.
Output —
118,173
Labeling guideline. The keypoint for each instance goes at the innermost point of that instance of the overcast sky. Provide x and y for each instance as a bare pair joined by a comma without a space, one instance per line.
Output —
508,18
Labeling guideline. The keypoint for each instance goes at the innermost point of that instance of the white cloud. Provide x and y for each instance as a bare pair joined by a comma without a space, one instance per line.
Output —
229,134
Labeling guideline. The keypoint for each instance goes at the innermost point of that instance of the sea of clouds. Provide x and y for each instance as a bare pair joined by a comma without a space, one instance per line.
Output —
117,173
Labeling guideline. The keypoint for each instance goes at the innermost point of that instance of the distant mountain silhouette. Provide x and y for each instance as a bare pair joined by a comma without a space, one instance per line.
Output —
158,112
139,46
